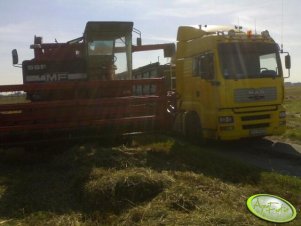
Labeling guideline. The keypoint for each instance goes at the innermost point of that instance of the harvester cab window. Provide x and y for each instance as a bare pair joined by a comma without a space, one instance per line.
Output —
109,58
100,47
121,53
203,66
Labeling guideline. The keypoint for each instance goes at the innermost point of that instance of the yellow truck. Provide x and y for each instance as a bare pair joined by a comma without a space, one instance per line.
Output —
229,83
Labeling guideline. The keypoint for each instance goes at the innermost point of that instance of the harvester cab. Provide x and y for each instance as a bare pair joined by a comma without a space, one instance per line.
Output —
104,51
108,49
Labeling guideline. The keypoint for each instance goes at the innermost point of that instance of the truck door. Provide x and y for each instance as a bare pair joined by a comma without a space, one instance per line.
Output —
205,92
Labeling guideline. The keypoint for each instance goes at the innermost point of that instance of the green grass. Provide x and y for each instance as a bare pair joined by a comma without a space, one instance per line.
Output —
155,180
13,99
292,104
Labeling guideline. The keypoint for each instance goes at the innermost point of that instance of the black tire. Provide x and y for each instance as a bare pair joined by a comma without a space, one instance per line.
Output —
193,129
34,97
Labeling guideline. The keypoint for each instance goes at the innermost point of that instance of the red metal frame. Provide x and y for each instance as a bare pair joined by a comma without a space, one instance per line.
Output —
163,46
117,107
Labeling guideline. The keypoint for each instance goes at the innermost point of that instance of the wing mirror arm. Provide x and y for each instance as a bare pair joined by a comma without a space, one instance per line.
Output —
287,61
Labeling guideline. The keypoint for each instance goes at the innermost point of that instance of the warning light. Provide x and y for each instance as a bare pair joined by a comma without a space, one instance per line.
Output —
231,33
265,34
249,34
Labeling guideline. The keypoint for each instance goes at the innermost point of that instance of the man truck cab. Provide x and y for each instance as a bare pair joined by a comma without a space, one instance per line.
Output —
230,83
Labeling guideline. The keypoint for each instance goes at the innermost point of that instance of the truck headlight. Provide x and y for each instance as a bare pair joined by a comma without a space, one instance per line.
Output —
282,114
226,119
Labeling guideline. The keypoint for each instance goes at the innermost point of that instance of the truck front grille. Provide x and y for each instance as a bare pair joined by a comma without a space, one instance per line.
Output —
256,126
255,117
255,95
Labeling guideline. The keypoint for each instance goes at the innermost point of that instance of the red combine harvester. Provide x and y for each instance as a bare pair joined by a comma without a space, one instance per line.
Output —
86,83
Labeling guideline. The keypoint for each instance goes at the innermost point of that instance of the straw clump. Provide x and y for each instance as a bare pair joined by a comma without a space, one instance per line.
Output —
116,190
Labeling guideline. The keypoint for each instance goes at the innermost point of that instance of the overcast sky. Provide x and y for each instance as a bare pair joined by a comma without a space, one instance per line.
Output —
158,21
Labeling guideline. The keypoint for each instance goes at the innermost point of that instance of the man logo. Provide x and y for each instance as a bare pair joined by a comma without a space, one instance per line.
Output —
256,94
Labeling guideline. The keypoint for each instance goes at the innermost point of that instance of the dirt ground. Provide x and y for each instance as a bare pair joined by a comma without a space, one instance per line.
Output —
269,153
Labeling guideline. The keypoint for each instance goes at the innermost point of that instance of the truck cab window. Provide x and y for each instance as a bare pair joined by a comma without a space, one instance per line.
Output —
268,64
203,66
249,60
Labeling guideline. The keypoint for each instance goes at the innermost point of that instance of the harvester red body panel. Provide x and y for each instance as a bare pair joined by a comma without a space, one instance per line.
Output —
116,109
85,83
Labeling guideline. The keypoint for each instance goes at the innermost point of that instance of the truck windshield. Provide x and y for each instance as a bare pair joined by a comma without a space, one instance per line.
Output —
249,60
115,51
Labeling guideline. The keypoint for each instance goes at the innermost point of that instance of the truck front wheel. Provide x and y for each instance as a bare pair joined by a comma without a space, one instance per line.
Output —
193,129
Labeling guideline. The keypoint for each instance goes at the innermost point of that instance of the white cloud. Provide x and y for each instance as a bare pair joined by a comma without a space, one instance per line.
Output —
16,31
158,20
190,11
159,39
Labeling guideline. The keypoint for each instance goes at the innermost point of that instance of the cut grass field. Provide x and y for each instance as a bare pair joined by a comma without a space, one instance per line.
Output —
292,104
153,180
13,99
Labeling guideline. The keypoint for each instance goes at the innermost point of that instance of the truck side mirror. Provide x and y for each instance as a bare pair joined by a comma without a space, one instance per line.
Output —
287,60
15,56
169,50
